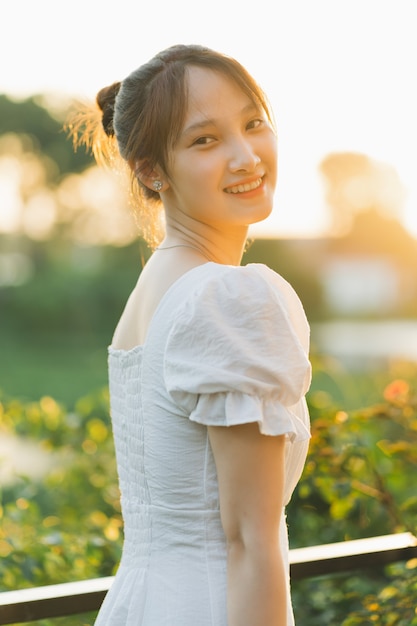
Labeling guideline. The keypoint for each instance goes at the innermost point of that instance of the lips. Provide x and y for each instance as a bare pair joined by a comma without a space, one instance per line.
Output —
244,187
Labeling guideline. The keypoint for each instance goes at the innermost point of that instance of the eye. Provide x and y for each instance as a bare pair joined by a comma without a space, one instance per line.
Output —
203,141
255,123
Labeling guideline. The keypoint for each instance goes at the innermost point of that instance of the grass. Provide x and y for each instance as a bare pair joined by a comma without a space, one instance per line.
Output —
68,367
65,367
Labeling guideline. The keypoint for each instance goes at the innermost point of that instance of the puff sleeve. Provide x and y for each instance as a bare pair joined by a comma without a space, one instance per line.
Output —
238,353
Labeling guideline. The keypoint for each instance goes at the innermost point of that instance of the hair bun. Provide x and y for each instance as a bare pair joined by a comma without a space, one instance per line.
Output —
106,98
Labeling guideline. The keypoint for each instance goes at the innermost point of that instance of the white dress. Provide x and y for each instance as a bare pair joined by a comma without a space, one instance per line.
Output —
227,345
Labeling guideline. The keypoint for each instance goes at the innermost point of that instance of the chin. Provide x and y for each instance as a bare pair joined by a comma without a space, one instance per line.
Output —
261,215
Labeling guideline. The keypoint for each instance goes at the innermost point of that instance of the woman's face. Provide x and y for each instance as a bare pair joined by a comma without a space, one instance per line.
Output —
222,170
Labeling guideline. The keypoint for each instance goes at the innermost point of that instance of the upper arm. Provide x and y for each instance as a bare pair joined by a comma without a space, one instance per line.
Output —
250,470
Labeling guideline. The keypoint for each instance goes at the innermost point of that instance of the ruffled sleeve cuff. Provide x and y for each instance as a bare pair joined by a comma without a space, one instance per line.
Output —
233,408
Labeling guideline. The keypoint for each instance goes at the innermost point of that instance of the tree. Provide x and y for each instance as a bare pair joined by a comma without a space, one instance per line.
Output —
48,189
356,183
32,119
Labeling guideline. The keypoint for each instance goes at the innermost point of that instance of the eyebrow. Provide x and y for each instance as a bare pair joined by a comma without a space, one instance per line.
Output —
192,128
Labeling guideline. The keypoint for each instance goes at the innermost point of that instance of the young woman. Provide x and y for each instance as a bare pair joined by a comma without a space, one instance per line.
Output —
209,366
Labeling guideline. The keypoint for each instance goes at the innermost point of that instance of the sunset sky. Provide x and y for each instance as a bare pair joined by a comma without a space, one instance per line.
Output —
340,74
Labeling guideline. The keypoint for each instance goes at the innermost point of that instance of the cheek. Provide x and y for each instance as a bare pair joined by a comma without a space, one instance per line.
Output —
203,174
272,148
191,185
273,160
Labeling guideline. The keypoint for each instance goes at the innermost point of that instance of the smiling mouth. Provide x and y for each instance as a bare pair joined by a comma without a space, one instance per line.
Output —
245,187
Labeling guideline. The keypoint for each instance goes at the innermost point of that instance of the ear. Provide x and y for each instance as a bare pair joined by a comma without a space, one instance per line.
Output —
153,178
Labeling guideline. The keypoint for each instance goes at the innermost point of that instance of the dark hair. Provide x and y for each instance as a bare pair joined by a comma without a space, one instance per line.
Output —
146,111
106,99
140,119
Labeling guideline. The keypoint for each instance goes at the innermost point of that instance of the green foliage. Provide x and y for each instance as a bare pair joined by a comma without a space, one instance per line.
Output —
67,525
359,481
57,325
284,257
359,465
394,604
71,288
32,118
64,365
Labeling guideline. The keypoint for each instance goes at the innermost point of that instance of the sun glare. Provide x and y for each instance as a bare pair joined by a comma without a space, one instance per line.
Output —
343,88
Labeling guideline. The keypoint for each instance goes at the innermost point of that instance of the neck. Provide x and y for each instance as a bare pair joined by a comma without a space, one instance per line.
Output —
219,247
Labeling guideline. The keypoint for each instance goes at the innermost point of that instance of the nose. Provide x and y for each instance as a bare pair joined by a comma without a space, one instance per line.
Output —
243,156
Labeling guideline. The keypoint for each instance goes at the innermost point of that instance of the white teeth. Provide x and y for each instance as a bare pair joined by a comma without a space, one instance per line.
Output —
246,187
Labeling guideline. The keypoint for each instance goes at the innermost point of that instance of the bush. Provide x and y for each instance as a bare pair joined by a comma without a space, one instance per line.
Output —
66,526
359,481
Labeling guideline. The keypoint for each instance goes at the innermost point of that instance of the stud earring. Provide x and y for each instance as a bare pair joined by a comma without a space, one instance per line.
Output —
157,185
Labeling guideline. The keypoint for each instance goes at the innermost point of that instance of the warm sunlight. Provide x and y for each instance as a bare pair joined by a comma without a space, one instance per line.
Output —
339,77
410,216
188,367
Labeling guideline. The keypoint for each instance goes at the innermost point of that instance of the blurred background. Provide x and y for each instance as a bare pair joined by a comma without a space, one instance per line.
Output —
340,77
344,228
